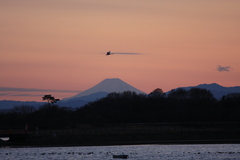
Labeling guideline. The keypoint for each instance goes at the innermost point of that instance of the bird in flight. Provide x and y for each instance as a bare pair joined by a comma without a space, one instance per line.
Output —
109,53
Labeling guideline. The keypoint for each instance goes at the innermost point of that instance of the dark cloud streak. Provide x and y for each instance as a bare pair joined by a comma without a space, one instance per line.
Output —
26,95
124,53
4,94
9,89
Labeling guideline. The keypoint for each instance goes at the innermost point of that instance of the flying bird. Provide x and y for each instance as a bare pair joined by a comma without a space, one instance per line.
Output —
109,53
123,53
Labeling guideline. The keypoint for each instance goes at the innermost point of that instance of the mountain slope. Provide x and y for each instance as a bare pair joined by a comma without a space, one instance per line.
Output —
80,101
108,86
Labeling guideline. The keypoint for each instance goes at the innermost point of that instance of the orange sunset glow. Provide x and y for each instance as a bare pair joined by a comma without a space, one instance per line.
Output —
59,46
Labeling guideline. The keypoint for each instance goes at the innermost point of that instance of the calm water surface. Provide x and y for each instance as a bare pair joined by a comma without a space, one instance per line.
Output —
141,152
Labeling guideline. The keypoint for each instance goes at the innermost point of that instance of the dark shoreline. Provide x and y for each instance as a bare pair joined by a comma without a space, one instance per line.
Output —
165,142
130,134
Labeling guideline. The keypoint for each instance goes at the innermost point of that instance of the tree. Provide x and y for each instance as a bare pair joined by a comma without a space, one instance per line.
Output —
128,94
231,100
201,97
23,109
157,93
200,94
113,95
178,94
50,99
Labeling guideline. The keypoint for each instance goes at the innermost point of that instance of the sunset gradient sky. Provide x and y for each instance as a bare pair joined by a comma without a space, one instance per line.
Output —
59,46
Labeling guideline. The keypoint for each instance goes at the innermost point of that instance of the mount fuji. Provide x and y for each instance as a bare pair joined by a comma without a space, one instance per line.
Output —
99,91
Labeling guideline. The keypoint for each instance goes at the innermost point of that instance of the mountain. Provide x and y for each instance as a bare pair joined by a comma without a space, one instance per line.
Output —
114,85
217,90
80,101
96,92
107,86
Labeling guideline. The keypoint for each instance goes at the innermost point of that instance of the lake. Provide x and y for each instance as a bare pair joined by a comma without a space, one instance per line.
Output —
138,152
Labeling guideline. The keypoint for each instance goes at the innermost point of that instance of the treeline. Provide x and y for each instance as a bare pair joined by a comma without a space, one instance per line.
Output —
194,105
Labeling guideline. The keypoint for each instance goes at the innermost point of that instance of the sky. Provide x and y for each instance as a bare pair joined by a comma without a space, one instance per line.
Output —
59,47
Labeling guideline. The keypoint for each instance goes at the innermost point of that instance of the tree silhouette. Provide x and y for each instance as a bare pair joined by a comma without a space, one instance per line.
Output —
50,99
202,97
231,100
23,109
178,94
156,93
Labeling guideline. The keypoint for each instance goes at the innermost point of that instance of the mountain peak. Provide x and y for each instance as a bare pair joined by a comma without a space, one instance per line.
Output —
108,85
111,79
212,86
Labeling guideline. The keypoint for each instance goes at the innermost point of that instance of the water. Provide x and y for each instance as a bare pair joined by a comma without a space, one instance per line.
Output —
135,152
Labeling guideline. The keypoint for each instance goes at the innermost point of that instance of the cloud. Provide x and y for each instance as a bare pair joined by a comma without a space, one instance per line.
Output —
26,95
7,92
4,94
9,89
223,69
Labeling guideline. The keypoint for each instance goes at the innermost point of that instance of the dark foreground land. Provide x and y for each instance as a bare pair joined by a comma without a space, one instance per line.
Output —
128,134
181,116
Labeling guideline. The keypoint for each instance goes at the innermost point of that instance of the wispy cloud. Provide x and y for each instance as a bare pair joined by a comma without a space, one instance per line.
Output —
27,95
9,89
223,69
4,94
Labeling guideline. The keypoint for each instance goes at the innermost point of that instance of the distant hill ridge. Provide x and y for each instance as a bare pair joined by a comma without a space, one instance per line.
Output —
217,90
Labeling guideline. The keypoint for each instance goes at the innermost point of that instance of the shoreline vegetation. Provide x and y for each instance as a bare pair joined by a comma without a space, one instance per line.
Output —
181,116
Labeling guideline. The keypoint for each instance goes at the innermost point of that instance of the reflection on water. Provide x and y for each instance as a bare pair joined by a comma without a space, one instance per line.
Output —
143,152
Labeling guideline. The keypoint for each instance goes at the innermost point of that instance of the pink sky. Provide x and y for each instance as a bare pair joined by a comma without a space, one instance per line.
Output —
61,45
